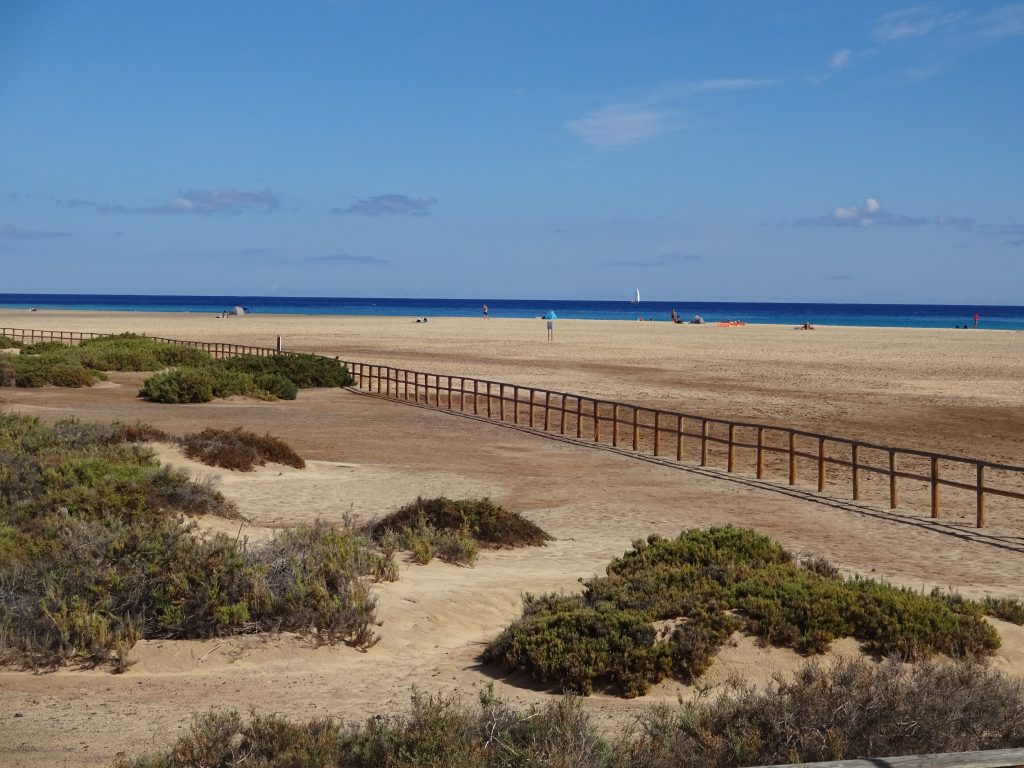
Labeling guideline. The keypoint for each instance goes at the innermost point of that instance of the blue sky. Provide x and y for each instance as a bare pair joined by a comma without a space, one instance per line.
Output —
774,151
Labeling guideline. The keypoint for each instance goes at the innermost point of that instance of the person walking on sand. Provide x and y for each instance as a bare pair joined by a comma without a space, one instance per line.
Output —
485,311
551,317
977,317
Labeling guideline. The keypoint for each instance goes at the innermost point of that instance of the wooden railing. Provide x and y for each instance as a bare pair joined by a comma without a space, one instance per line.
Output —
992,758
835,463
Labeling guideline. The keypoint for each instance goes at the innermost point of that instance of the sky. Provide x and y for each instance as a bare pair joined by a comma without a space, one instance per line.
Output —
721,151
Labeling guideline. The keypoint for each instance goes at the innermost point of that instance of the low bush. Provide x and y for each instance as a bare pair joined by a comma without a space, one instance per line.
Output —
95,553
304,370
6,342
238,449
179,385
849,710
702,586
488,524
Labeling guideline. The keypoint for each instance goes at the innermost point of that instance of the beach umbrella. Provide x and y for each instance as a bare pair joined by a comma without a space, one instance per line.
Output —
551,315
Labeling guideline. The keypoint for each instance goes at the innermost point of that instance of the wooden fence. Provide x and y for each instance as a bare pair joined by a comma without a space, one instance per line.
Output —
836,465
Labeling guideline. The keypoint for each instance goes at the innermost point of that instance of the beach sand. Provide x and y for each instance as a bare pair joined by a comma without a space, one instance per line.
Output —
952,391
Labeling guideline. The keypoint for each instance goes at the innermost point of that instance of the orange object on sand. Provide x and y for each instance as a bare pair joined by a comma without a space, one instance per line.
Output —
730,323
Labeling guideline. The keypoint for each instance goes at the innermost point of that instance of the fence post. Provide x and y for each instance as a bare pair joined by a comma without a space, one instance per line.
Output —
636,429
760,453
679,439
448,403
657,431
561,414
547,404
615,425
488,399
732,449
821,465
597,424
893,498
935,486
501,401
792,457
703,442
981,495
579,417
515,404
531,407
855,470
476,394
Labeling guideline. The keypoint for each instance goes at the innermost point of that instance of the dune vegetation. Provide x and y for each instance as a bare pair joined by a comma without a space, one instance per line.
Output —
182,374
666,606
96,552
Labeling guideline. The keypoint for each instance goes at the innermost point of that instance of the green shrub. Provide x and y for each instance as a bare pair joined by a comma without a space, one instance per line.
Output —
704,585
456,547
95,552
6,342
304,370
179,385
850,710
488,524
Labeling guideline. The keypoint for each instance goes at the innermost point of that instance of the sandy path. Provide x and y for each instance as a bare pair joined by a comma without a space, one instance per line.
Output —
369,456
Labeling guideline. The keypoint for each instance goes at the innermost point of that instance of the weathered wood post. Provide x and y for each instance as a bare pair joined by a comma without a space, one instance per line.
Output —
547,405
760,453
703,442
476,396
579,417
821,465
615,425
531,407
679,438
278,347
732,449
893,497
981,495
636,429
488,399
597,424
855,470
935,486
501,402
515,404
561,414
792,457
657,432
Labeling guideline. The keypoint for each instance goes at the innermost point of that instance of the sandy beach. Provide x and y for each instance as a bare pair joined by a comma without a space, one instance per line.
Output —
954,391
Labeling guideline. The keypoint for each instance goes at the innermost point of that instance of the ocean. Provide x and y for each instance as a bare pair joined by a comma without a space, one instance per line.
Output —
878,315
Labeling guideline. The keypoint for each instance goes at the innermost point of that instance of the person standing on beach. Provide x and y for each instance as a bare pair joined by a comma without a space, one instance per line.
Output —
485,311
551,317
977,317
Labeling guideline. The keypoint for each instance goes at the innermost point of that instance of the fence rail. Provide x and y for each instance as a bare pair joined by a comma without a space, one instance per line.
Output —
686,436
835,463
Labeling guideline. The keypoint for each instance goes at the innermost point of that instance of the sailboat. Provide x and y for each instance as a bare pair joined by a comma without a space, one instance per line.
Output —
636,299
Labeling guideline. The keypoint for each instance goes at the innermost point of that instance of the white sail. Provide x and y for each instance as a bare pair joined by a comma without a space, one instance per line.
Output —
636,300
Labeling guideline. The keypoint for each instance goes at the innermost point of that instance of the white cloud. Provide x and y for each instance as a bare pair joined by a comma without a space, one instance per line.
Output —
907,23
840,58
1006,21
385,205
869,214
619,125
10,232
217,200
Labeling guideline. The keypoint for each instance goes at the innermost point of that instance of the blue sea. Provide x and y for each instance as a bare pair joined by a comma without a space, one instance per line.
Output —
879,315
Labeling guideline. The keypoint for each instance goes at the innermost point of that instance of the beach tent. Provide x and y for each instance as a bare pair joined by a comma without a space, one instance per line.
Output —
551,315
238,311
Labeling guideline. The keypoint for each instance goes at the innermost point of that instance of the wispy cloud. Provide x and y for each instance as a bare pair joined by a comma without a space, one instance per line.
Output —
1006,21
1014,243
960,222
10,232
870,214
627,123
203,201
350,259
390,205
840,58
908,23
660,260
